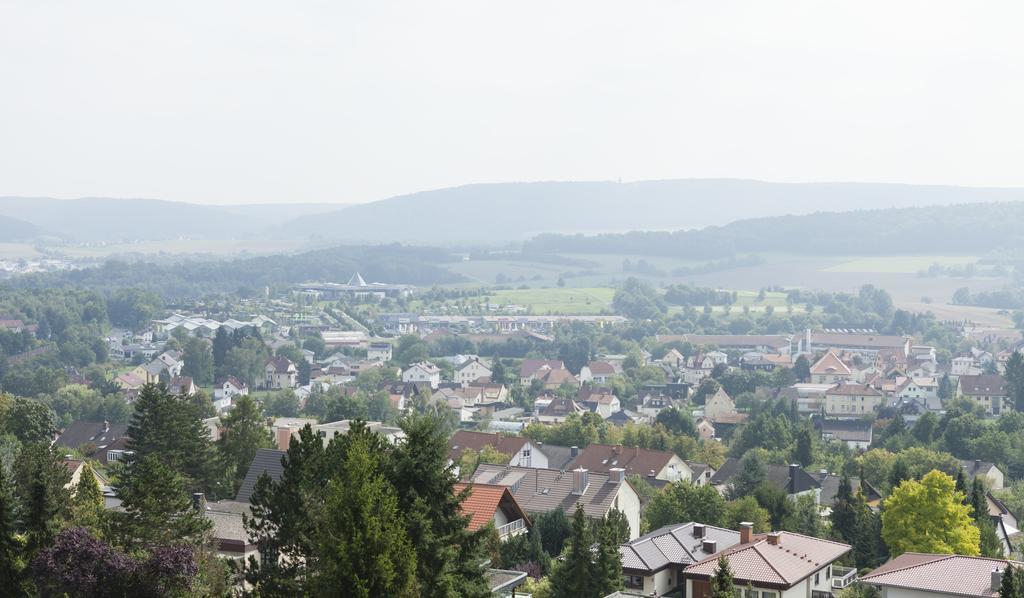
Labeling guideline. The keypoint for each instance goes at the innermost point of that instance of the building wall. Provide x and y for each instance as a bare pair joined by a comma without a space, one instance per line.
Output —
529,456
629,503
851,405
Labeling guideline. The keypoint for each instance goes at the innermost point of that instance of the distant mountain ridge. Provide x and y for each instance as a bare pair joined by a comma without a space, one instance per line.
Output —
518,211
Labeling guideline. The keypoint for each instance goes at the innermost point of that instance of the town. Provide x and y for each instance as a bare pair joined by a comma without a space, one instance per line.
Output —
580,455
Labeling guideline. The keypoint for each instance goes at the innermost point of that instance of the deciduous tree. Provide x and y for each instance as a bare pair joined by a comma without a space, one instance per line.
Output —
929,516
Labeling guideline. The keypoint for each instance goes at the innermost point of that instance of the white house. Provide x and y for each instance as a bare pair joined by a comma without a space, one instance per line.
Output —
852,400
423,372
225,391
916,575
470,371
378,352
280,373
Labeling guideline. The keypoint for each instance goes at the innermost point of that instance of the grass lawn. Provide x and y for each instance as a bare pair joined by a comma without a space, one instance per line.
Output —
902,264
579,301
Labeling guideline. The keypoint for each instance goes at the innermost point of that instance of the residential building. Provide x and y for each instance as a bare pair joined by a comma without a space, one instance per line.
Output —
830,488
852,400
520,450
719,405
423,372
555,410
378,352
531,368
830,370
491,504
93,436
791,479
917,575
226,389
471,370
964,365
987,390
182,385
673,358
544,490
229,534
775,565
652,565
280,373
599,372
856,433
599,400
697,367
657,465
989,472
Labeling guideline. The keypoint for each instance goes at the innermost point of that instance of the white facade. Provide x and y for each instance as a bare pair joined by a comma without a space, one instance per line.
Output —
471,371
423,372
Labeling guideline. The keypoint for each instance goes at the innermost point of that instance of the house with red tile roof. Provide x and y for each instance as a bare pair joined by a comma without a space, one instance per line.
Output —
830,370
652,565
531,368
916,575
775,565
493,504
520,450
599,372
658,465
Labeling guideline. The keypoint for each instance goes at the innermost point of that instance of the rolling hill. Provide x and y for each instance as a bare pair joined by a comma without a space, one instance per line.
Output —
517,211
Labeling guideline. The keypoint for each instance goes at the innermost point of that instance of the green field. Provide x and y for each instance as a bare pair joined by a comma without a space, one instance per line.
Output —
903,264
580,301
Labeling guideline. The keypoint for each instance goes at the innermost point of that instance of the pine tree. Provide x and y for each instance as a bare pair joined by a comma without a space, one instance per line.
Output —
158,510
804,452
844,513
497,370
170,428
722,585
11,563
1010,587
573,577
41,477
362,545
608,565
243,432
448,556
87,505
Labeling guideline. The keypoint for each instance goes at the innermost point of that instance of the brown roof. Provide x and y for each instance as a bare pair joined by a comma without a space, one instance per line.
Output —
830,364
529,367
558,378
601,368
943,573
484,500
561,407
983,384
782,565
853,390
464,440
281,364
603,457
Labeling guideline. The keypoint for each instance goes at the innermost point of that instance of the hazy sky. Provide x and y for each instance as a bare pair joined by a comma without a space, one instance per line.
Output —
339,101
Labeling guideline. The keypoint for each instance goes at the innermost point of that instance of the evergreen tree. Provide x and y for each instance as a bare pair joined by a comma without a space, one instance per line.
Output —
243,432
11,563
222,343
802,368
40,481
722,585
899,473
1015,380
990,545
844,513
573,577
158,510
554,529
961,481
498,374
87,505
804,452
448,555
1011,586
608,564
362,545
170,428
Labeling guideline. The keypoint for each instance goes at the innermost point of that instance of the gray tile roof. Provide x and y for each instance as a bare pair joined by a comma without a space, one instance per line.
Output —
779,476
266,460
559,457
544,490
673,545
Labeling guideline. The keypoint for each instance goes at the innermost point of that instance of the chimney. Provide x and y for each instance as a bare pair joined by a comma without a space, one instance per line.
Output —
775,538
746,532
284,437
574,451
199,502
977,465
709,546
580,480
793,469
698,530
616,475
997,579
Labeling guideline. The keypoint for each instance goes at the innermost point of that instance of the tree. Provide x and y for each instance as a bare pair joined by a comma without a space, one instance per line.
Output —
608,562
498,373
243,431
573,577
802,368
158,510
41,478
198,357
362,545
11,564
30,421
1010,586
977,499
284,403
751,472
926,428
1015,380
682,501
804,451
87,505
554,529
677,421
776,502
844,513
721,583
169,427
304,372
747,509
247,361
929,516
805,517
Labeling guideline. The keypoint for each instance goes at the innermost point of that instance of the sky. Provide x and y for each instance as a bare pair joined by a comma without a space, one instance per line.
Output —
301,101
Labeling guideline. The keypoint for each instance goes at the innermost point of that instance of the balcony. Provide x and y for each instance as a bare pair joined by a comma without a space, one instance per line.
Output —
513,528
843,577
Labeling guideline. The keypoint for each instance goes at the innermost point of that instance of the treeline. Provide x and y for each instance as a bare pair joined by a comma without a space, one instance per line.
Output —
973,228
247,277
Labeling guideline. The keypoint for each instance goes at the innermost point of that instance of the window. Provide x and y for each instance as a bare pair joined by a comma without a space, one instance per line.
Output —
817,577
634,581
